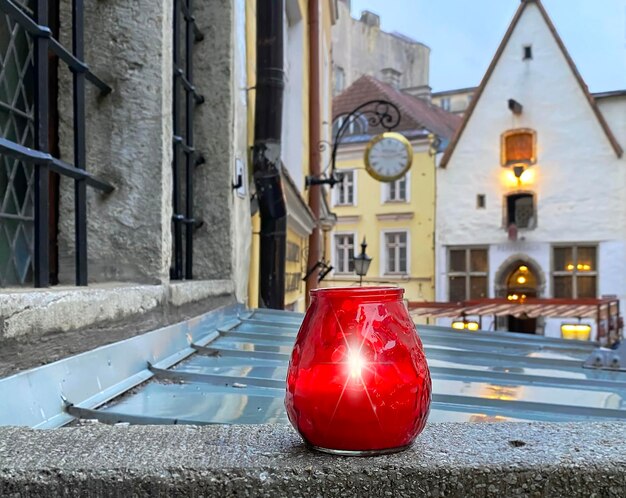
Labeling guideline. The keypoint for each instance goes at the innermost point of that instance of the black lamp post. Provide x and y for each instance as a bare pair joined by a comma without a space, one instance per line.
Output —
362,262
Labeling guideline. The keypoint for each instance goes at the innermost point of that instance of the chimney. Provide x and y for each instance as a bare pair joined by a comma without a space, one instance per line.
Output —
423,92
370,19
391,77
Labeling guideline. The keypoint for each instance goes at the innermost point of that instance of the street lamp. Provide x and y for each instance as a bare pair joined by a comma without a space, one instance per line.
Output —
362,262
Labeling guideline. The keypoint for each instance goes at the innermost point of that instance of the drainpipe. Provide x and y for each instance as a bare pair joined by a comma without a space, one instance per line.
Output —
315,125
266,155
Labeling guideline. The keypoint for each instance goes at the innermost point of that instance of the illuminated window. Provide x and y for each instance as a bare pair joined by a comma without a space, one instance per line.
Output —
468,272
574,272
520,210
519,147
344,253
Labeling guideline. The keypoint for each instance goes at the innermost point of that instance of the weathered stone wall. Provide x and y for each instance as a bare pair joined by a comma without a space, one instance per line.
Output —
360,49
129,141
455,460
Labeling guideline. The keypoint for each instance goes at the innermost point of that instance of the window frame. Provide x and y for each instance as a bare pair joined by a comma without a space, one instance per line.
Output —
334,262
386,190
336,199
467,274
446,104
504,162
383,252
575,273
505,210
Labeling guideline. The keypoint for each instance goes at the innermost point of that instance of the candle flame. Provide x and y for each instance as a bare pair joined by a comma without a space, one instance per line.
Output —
355,364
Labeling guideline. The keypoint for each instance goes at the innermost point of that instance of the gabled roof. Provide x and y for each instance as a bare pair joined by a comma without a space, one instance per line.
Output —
416,113
594,107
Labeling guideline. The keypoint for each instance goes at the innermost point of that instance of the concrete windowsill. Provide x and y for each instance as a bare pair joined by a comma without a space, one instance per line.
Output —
457,460
63,308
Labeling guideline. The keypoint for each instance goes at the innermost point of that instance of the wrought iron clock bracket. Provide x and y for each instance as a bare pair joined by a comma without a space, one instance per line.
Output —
379,113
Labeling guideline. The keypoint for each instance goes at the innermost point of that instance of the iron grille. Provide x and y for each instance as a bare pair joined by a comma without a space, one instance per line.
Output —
185,158
16,177
26,41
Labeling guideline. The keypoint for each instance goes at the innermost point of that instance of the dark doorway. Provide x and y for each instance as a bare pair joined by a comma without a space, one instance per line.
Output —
521,284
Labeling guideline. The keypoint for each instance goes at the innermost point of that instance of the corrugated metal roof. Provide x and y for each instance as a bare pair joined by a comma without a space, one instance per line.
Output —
229,366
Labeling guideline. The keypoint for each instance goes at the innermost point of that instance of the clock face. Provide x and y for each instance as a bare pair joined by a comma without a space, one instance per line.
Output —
388,157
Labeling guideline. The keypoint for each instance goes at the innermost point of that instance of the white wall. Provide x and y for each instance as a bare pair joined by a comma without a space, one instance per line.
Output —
579,181
293,138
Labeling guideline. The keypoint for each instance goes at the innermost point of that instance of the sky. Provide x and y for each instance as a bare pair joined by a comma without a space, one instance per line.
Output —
464,34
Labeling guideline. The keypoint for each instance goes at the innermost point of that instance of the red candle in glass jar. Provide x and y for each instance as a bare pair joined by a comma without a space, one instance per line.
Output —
358,382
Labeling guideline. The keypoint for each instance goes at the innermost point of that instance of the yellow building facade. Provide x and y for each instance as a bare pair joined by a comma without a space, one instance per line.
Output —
396,219
295,137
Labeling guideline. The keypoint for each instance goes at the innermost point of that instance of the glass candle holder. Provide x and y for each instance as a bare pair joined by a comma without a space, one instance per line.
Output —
358,382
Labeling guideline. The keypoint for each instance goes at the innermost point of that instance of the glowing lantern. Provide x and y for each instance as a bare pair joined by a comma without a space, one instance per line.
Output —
358,382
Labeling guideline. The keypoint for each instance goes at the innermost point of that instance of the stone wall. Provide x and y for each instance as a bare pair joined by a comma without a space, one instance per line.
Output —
455,460
361,47
129,143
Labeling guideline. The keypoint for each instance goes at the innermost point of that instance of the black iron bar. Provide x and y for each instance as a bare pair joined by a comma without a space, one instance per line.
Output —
31,156
189,169
38,29
80,186
180,141
177,269
42,172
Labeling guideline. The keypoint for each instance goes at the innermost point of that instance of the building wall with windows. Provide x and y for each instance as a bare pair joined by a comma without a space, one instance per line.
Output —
295,137
456,101
563,219
361,47
397,221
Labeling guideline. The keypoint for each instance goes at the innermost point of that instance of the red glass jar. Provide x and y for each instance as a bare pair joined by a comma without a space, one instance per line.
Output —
358,382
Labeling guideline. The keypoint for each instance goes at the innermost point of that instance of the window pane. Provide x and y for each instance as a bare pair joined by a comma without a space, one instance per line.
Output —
402,266
478,287
586,286
391,259
563,259
478,260
456,288
563,287
457,260
586,259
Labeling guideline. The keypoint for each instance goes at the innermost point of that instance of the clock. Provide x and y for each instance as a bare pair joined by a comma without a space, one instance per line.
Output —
388,156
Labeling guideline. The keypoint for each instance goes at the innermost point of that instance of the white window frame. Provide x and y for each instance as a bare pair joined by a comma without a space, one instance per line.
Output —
333,258
446,103
386,187
336,202
383,252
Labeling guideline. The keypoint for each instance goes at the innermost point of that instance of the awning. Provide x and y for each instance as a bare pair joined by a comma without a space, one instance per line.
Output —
605,312
598,309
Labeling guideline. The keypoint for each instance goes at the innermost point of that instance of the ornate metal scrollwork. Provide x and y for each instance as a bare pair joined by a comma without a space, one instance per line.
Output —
378,113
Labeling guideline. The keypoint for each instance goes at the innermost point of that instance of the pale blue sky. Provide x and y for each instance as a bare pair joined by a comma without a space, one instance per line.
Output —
464,35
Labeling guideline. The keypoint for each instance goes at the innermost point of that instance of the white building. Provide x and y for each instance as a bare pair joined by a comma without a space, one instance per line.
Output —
557,231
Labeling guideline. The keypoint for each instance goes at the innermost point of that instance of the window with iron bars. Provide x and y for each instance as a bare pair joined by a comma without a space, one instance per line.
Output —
28,44
185,157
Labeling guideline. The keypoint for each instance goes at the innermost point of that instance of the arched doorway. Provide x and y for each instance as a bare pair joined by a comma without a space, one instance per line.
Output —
521,283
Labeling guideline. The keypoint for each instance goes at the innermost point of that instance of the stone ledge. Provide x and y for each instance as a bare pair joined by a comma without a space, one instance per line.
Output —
457,460
23,312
